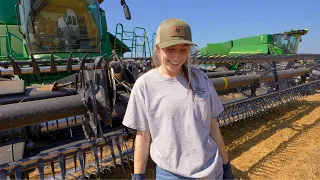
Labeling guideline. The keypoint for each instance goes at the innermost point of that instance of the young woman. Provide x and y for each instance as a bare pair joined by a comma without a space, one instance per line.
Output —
174,107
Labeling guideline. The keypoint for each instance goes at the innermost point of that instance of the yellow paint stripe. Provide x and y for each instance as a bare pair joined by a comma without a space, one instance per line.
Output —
225,82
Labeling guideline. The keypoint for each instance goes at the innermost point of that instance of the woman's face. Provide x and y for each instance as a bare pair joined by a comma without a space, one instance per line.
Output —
173,57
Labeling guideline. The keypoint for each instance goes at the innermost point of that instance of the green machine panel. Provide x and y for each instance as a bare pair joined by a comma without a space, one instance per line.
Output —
12,44
217,48
250,49
220,48
8,12
263,39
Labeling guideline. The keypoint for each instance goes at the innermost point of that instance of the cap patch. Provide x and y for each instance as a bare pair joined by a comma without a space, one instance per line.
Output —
177,31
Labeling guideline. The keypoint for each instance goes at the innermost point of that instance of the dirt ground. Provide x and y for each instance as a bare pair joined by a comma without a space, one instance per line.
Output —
283,144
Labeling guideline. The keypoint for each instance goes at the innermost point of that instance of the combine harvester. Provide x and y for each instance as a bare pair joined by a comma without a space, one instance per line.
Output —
65,84
276,44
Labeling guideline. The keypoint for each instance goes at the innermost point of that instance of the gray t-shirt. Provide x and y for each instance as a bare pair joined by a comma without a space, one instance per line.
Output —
179,127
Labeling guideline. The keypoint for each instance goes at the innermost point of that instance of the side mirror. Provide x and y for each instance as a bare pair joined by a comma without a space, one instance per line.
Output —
125,9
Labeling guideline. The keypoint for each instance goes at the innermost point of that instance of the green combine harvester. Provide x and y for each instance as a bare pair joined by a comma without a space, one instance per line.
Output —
76,29
275,44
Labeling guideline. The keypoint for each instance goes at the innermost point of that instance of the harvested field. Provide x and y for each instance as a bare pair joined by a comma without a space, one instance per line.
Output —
282,144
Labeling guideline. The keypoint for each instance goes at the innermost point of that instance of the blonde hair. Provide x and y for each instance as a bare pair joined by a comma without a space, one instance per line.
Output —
186,67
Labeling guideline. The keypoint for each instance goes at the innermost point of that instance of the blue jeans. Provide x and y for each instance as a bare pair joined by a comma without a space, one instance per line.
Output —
163,174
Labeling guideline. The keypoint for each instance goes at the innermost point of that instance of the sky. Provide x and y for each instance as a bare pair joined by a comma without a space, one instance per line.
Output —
214,21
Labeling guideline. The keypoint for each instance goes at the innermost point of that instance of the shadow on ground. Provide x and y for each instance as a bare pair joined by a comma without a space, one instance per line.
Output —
275,120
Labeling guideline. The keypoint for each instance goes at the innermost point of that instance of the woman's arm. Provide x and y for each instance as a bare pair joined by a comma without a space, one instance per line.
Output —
141,152
217,137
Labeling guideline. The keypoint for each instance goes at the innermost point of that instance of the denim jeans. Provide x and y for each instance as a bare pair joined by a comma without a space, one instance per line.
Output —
163,174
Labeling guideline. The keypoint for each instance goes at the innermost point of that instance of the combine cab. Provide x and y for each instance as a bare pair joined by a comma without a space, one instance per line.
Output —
288,42
47,30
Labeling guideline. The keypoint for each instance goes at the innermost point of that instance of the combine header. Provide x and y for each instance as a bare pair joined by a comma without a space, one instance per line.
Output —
65,85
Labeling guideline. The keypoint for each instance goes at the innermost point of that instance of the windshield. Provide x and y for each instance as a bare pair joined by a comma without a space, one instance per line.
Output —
289,43
61,25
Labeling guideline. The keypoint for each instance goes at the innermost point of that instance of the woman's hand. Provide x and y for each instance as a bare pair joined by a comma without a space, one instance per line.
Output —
227,171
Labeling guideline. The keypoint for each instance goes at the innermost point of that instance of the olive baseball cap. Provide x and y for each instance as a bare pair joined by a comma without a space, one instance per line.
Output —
173,31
